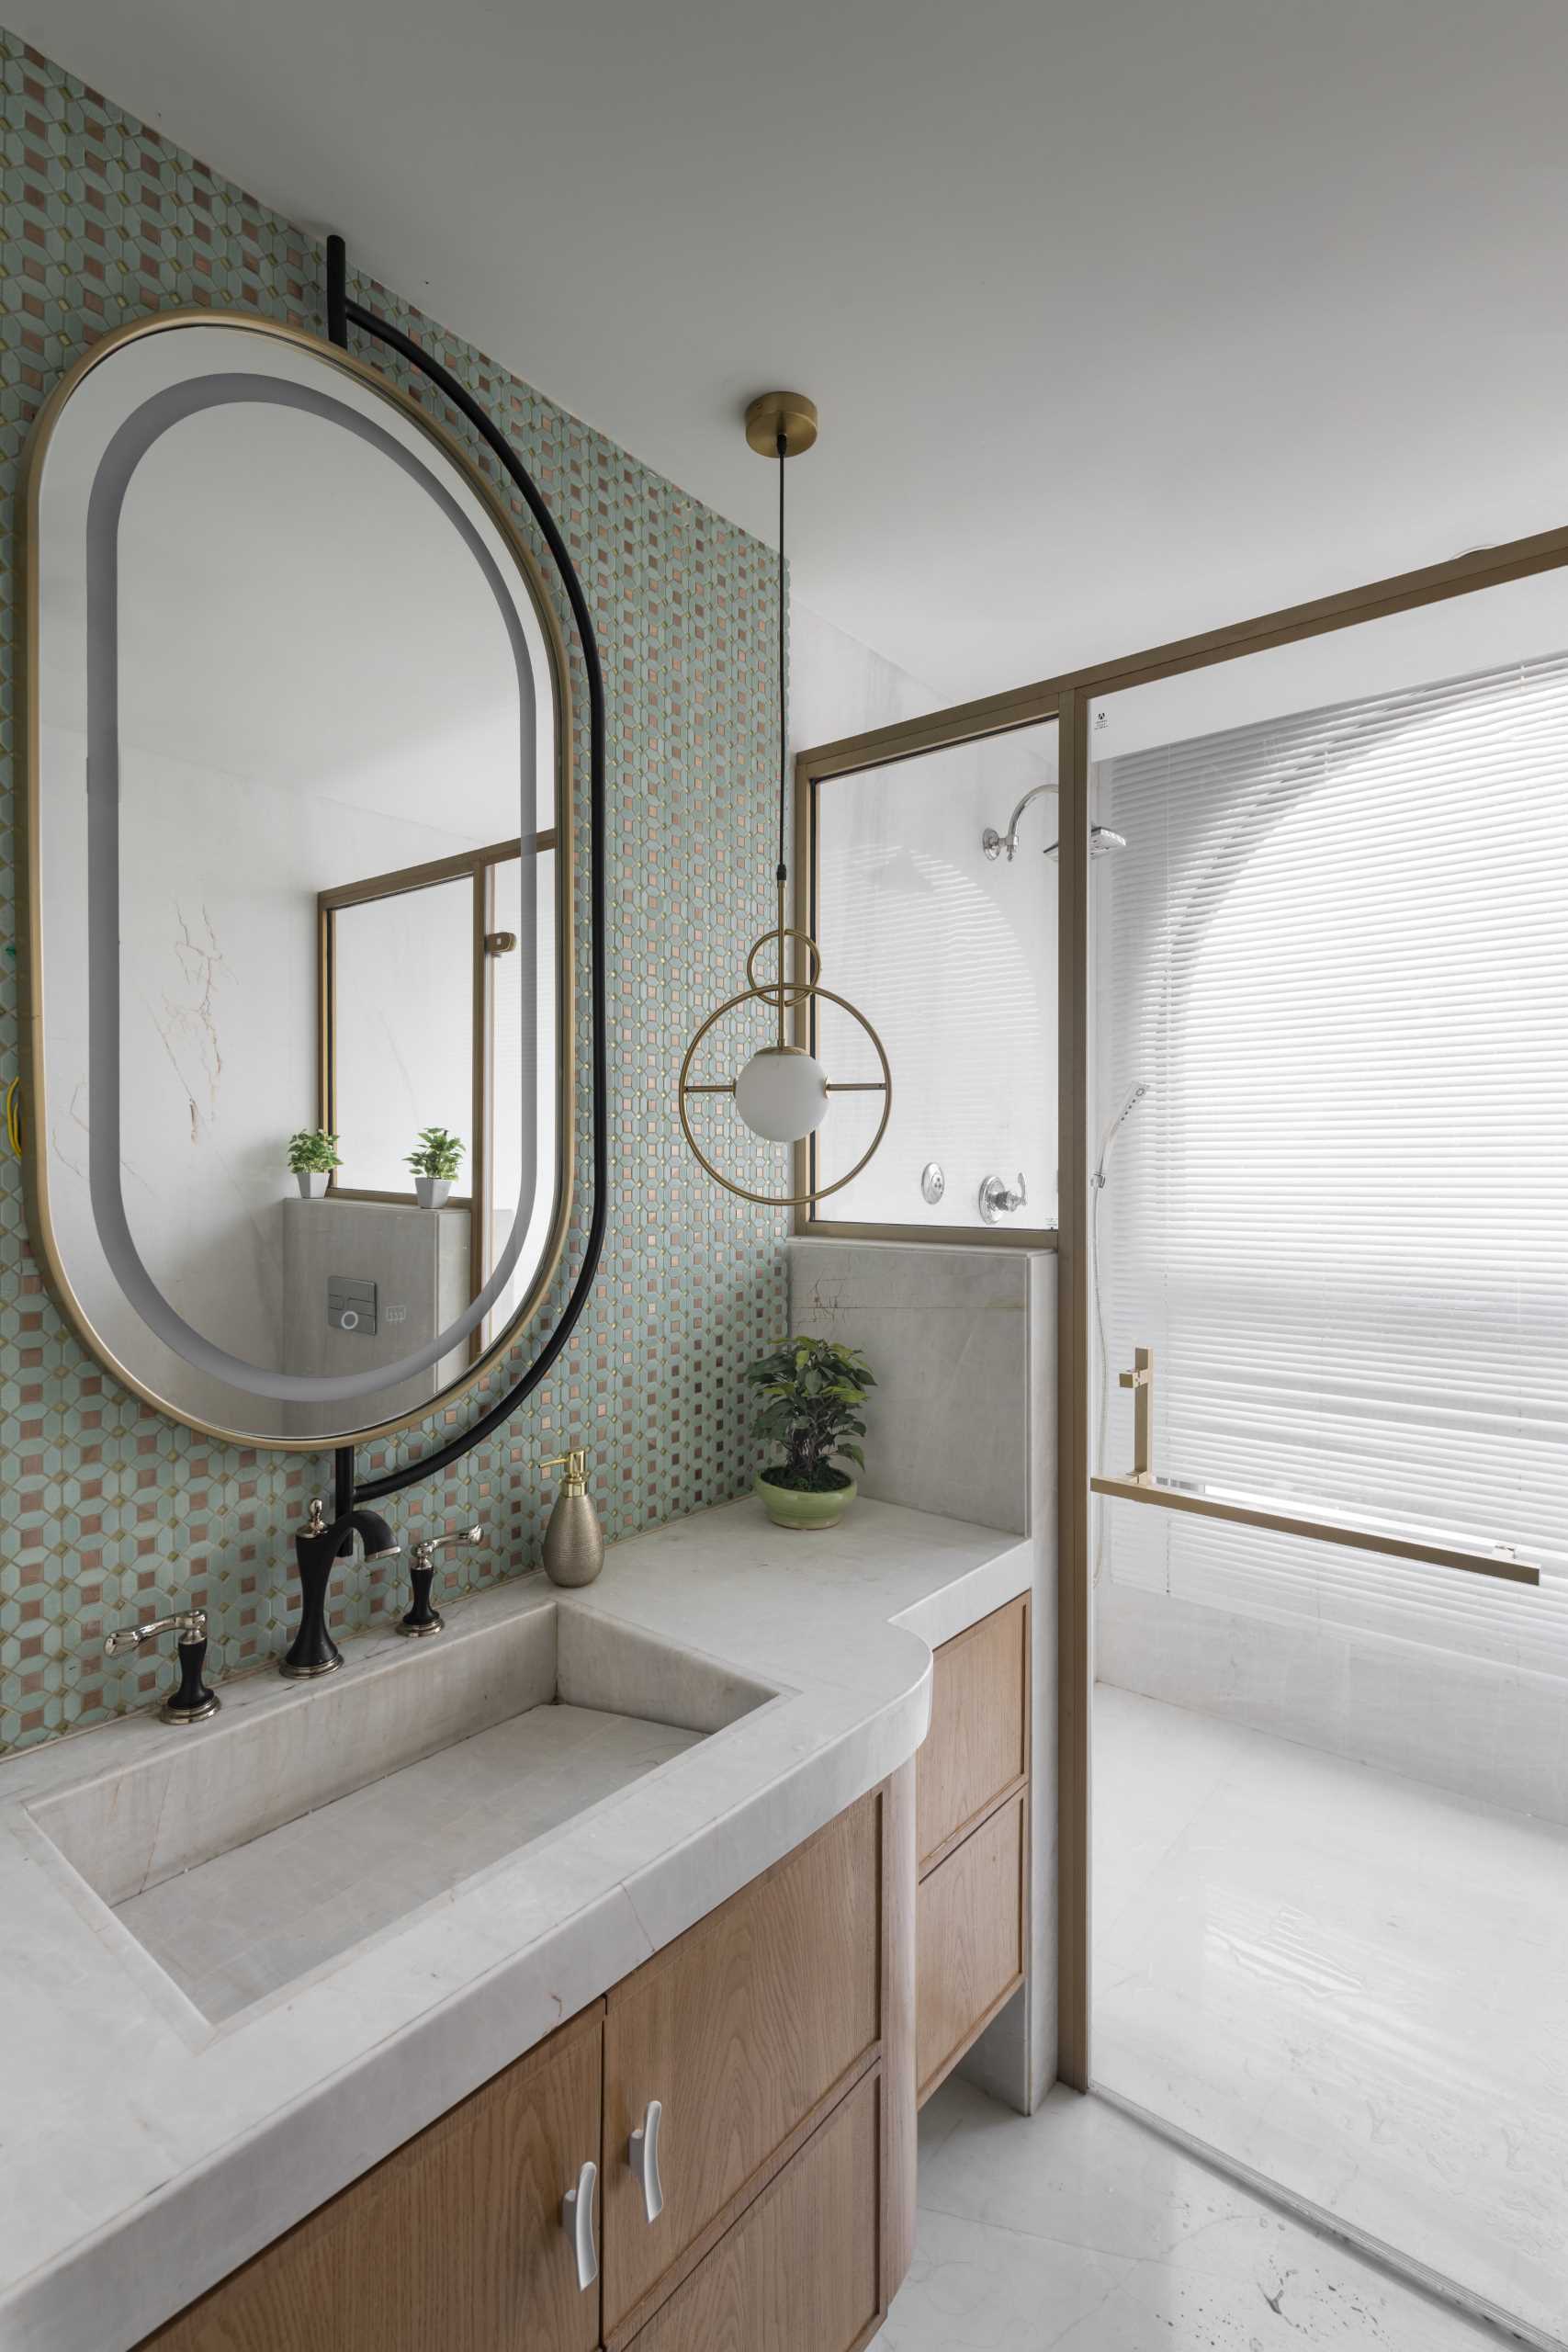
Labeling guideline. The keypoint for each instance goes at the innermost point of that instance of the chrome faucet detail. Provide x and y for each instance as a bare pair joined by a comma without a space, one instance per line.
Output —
997,844
421,1618
191,1701
313,1650
998,1198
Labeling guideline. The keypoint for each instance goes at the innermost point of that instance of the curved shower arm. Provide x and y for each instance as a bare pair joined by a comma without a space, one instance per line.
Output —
995,843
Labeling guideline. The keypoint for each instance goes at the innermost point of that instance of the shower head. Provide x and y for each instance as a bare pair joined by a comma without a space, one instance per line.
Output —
1134,1096
1101,842
1101,839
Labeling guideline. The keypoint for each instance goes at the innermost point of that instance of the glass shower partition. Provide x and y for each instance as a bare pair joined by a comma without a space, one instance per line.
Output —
936,915
1329,1360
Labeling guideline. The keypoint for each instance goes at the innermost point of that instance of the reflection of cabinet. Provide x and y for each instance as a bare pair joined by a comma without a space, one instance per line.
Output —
455,2241
972,1815
777,2035
418,1260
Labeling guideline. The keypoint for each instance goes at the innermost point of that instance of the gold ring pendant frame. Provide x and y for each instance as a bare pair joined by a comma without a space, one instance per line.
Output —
781,426
776,995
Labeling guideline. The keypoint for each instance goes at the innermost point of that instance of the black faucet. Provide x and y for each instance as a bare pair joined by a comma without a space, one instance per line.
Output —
313,1650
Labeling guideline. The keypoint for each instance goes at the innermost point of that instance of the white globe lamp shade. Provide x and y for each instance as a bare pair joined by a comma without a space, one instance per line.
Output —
781,1094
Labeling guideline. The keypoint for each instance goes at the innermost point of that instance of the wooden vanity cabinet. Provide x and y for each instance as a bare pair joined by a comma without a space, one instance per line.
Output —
972,1829
778,2036
455,2241
741,2030
798,2272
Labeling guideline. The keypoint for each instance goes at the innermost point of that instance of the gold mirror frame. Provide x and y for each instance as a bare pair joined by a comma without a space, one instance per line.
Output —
35,1171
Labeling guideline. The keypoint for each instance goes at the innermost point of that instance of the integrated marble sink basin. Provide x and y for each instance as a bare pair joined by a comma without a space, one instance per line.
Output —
252,1853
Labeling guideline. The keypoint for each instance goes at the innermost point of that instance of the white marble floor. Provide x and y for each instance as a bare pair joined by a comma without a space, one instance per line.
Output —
1354,1983
1078,2230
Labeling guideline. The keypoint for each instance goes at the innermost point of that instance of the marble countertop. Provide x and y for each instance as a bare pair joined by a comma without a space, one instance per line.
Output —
145,2152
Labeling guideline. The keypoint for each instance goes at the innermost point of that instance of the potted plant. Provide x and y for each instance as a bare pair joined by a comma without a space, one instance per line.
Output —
813,1392
435,1161
312,1155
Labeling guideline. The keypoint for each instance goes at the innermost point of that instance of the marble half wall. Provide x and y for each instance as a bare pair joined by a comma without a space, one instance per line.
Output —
962,1422
946,1330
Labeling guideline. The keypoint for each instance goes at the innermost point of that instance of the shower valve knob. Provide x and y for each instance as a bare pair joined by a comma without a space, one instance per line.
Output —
998,1199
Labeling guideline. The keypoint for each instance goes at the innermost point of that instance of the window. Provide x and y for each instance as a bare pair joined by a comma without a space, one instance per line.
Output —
1337,951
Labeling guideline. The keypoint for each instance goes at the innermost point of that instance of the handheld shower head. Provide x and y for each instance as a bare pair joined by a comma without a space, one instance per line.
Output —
1107,1143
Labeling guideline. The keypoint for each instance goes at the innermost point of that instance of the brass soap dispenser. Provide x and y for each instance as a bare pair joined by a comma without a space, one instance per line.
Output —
574,1541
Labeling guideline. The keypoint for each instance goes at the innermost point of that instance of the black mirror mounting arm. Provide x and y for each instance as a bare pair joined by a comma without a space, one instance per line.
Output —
343,312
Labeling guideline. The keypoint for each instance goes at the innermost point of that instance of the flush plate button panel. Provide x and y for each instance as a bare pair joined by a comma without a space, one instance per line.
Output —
351,1305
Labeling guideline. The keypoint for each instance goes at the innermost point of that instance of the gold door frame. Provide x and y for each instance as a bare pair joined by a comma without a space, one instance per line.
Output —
478,867
1068,698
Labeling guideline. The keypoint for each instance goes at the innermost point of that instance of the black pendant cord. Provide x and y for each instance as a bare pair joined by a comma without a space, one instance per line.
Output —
343,312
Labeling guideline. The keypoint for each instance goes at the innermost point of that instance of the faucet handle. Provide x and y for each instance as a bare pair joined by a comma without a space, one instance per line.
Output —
191,1701
191,1624
998,1198
421,1618
424,1551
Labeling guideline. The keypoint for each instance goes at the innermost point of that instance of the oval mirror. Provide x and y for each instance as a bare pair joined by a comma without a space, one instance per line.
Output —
300,811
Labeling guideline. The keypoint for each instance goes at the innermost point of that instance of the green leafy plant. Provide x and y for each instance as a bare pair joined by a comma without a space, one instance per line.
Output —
438,1154
312,1152
813,1392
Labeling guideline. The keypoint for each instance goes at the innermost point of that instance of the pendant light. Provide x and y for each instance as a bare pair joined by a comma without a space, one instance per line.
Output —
782,1093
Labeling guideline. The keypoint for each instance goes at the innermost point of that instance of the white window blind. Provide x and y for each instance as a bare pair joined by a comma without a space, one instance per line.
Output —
1338,950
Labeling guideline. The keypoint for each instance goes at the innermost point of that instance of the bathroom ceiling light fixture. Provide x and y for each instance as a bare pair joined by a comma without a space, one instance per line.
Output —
782,1093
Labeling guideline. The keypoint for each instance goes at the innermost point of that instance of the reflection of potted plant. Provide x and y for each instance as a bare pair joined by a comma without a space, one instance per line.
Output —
312,1155
813,1392
435,1165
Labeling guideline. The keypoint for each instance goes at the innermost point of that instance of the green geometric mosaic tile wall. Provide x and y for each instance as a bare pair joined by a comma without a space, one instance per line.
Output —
108,1509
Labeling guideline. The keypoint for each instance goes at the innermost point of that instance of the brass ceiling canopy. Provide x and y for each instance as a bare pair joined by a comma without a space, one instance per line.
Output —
789,414
782,1093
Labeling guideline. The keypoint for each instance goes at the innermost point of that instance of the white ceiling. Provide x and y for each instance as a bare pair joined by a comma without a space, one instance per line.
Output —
1125,317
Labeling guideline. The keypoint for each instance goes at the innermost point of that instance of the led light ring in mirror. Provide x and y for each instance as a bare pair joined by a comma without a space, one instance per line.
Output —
130,446
122,430
883,1086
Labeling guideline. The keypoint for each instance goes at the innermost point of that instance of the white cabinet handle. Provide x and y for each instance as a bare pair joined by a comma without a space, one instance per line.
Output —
577,2220
642,2155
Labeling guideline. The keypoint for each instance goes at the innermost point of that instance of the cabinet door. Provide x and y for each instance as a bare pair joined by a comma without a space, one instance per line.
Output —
969,1941
455,2241
977,1746
798,2271
739,2029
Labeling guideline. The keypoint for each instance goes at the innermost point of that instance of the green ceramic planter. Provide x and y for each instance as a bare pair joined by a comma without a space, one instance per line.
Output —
790,1507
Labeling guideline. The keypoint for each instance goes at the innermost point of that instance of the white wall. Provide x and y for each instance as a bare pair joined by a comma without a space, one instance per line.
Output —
838,686
1496,1733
